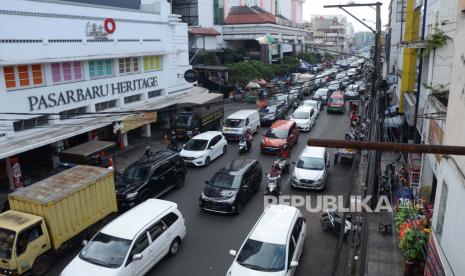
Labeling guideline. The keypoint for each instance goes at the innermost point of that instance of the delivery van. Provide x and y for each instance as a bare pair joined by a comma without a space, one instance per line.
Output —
237,123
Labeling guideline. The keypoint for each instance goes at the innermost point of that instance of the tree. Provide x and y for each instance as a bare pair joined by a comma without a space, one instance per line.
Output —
311,58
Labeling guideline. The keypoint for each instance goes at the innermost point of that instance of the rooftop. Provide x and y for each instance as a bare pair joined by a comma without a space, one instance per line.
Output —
282,124
16,221
274,225
129,224
248,15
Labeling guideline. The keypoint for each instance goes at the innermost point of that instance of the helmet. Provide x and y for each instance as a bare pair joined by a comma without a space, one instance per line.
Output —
249,129
275,163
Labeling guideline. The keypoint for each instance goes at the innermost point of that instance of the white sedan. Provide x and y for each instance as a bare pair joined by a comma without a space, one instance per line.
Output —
315,104
204,148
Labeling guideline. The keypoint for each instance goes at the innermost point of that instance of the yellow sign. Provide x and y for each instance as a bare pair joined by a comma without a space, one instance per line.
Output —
137,120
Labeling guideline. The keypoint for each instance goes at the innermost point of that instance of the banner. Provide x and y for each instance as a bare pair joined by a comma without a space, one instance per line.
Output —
137,120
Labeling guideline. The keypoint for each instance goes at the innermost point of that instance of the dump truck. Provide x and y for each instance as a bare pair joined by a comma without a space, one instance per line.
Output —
197,114
51,216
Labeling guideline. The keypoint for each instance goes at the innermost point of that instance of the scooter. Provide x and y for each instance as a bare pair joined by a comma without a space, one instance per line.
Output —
284,165
273,186
243,147
332,222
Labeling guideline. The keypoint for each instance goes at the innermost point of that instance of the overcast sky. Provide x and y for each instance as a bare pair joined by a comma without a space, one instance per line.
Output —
316,7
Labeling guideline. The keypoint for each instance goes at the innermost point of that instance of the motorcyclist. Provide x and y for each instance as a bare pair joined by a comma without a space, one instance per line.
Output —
284,151
275,173
173,144
249,137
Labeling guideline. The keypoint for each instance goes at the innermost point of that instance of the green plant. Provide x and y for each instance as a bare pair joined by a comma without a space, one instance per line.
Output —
435,40
413,244
311,58
403,213
209,58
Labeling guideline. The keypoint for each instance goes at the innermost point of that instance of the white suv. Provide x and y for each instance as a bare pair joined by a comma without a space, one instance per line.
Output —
274,245
132,243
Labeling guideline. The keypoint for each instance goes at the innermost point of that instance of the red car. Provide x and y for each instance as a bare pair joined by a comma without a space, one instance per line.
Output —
280,132
336,103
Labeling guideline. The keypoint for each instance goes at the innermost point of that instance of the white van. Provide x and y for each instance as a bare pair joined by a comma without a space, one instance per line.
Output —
304,117
132,243
237,123
279,235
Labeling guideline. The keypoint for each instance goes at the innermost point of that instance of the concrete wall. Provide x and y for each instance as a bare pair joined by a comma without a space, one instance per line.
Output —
452,168
205,12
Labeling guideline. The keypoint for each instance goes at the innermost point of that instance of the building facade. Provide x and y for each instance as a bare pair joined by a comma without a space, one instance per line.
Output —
331,32
65,63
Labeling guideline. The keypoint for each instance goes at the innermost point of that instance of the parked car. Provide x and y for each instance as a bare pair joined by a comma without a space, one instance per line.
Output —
237,123
274,245
204,148
149,177
336,103
322,95
280,132
229,189
317,106
311,169
132,243
272,113
304,117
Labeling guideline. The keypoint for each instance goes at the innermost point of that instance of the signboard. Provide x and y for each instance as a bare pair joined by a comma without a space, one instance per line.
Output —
16,172
287,48
137,120
101,30
60,98
191,75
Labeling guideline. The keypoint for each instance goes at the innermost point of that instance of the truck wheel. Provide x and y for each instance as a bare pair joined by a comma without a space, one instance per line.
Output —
41,265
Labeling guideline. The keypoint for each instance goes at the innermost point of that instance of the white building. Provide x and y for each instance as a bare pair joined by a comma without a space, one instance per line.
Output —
332,32
448,220
60,60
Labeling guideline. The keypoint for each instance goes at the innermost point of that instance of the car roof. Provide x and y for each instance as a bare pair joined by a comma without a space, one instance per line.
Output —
310,101
156,157
207,135
242,113
337,94
239,165
274,225
304,108
312,151
282,124
129,224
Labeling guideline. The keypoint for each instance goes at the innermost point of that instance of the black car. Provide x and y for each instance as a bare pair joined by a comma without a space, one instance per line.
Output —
150,177
231,187
281,98
271,113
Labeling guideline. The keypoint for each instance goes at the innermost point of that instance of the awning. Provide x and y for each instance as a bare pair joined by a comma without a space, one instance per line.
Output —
203,31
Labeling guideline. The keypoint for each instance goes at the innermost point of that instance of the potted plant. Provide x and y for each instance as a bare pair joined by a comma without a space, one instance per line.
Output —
411,246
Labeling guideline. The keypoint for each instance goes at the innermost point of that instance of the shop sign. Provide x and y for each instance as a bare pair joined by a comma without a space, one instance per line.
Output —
62,98
16,172
191,75
96,30
137,120
286,48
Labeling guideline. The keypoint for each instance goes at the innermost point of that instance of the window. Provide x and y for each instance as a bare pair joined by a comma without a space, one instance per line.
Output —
170,219
153,63
30,123
153,94
401,10
290,252
131,99
23,76
442,209
128,65
105,105
100,68
68,114
297,228
218,12
26,237
156,230
66,71
139,246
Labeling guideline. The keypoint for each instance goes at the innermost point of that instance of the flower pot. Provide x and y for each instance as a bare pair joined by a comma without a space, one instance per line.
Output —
408,268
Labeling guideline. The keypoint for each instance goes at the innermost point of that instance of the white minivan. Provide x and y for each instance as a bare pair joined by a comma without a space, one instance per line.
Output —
304,117
274,245
132,243
237,123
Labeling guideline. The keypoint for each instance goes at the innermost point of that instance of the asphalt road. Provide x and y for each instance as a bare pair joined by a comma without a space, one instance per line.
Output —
209,237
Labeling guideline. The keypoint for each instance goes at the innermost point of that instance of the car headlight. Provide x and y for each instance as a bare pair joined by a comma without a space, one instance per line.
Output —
230,200
189,132
131,196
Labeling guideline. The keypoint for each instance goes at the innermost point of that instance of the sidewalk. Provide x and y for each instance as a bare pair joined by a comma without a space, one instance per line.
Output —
384,257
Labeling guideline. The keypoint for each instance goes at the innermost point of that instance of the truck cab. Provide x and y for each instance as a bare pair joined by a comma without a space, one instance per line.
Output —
186,124
24,243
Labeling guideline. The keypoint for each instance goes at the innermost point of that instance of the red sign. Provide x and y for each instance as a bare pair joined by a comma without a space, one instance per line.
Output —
433,265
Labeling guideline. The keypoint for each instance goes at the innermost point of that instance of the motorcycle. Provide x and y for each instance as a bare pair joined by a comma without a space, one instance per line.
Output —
243,147
273,186
284,165
174,146
354,135
332,222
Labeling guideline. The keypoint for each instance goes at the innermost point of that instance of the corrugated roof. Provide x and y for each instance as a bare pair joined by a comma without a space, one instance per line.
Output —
248,15
203,31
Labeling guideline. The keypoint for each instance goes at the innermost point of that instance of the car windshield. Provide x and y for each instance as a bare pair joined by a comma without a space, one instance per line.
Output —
310,163
267,110
136,173
276,133
262,256
279,97
336,100
233,123
196,145
105,250
183,121
225,181
321,92
313,104
7,237
334,86
300,115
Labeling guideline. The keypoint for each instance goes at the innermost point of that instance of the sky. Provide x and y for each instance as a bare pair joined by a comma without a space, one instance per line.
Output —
316,7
